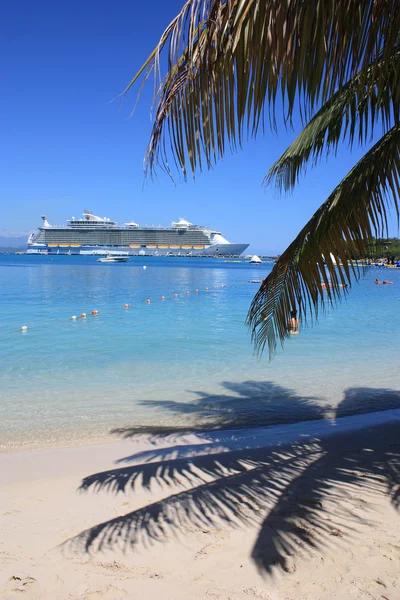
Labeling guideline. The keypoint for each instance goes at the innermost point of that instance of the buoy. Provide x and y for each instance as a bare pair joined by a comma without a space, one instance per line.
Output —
73,318
126,305
95,312
148,301
83,315
162,297
206,289
175,295
24,328
197,291
188,292
144,267
215,287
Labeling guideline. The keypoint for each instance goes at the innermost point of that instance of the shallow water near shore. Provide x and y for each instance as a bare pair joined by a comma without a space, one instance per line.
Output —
185,361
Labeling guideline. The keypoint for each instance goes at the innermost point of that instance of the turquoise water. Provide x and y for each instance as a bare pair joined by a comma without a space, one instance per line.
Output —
185,360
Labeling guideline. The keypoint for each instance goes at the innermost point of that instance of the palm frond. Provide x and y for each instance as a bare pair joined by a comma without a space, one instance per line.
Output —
230,59
352,113
341,227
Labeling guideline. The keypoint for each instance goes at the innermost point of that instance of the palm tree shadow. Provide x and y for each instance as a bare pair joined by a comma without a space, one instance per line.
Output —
248,404
300,496
323,506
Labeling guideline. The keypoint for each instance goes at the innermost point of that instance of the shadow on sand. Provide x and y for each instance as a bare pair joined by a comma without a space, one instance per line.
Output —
299,496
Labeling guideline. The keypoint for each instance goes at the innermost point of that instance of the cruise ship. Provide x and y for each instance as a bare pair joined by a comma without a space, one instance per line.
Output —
92,235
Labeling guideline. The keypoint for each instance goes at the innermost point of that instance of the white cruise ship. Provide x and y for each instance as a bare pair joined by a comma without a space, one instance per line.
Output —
99,236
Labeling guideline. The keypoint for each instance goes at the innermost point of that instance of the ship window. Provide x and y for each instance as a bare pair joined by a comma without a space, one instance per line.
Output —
143,245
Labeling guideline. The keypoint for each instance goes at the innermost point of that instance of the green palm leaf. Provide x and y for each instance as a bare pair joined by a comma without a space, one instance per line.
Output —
341,227
229,63
229,59
351,113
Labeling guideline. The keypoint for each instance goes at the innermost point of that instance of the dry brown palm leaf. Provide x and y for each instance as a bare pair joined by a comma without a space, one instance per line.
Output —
305,276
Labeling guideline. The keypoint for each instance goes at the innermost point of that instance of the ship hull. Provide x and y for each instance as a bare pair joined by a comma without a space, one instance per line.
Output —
86,250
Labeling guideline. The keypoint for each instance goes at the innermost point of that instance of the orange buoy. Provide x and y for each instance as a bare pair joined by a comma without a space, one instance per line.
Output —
95,312
162,297
148,301
126,305
83,315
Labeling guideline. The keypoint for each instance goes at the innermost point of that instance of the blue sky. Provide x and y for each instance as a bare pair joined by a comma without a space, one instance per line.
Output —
66,147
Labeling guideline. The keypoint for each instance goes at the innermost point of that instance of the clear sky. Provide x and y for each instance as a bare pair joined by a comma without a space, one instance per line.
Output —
64,146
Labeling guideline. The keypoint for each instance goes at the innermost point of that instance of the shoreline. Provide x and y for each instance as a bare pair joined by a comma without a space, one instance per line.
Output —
244,434
294,512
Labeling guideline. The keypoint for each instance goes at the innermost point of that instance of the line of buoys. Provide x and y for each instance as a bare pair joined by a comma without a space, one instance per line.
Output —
95,312
148,301
83,315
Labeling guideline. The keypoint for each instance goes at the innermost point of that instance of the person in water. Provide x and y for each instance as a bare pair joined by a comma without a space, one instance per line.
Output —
293,324
377,281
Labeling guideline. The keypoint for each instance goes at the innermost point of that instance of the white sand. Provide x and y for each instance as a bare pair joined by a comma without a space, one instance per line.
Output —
200,518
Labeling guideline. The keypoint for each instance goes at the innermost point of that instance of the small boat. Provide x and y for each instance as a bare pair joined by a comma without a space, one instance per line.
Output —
113,258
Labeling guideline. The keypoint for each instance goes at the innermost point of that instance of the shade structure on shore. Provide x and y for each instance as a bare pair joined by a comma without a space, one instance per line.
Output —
255,259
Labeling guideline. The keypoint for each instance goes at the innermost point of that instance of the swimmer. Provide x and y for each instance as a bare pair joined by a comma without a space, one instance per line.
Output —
293,324
377,281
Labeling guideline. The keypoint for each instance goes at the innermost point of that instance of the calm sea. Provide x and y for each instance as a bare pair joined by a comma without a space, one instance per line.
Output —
183,361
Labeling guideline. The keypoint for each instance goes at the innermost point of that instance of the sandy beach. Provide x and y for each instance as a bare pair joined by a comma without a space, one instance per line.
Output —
235,515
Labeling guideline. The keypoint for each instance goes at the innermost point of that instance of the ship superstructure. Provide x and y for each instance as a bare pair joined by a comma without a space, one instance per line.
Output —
96,235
